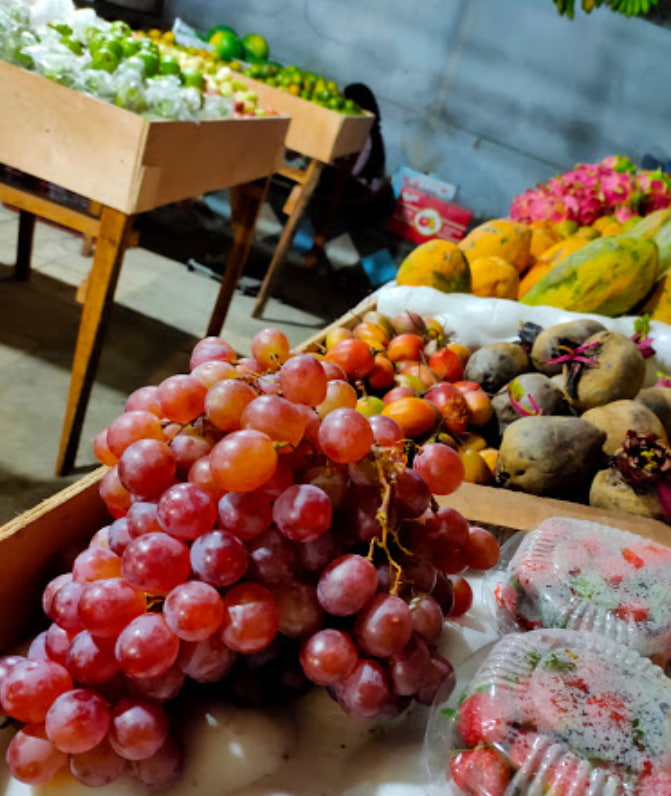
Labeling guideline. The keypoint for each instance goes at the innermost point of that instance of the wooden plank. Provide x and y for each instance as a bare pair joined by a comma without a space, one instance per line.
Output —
314,131
40,206
35,547
521,511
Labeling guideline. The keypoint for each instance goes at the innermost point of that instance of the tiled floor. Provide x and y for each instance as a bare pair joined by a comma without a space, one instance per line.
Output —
161,309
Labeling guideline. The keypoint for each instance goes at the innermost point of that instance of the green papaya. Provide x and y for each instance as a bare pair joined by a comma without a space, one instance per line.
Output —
657,227
608,276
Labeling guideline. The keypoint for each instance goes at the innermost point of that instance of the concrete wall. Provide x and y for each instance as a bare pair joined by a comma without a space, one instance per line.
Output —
492,95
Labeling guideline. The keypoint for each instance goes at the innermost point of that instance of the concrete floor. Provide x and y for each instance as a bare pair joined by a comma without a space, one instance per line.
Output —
161,309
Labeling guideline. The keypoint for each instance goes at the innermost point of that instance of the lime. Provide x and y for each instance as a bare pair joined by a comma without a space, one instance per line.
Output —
120,29
322,96
169,65
294,89
193,78
115,46
332,86
61,27
150,61
256,47
305,94
96,41
129,47
335,103
351,107
105,59
222,28
227,44
72,44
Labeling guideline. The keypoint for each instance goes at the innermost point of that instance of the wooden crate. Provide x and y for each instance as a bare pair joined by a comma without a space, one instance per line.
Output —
35,543
120,159
314,131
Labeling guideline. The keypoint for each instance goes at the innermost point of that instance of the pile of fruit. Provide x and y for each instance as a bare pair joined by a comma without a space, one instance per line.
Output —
630,8
107,60
267,536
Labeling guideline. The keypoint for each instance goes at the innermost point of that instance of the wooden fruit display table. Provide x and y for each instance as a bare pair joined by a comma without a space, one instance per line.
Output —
127,165
321,135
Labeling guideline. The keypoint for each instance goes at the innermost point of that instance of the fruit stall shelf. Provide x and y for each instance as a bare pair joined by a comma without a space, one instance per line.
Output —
126,165
38,543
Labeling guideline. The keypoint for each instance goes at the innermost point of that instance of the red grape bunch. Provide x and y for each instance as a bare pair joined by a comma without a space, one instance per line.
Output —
265,536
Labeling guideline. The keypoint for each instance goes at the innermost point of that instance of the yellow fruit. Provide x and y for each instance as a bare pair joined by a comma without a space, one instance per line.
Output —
476,470
614,228
659,304
555,254
490,455
589,233
439,264
472,441
632,222
532,276
602,222
542,238
499,238
494,277
566,228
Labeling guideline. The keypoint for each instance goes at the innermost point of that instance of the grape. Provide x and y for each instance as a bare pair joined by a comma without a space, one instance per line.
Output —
107,606
114,494
330,480
101,537
130,427
442,593
7,663
64,608
384,626
482,549
32,758
200,474
96,563
182,398
463,597
160,688
50,591
407,667
418,573
346,585
440,466
411,495
366,691
186,511
362,507
303,381
251,619
146,647
303,512
246,514
142,518
270,347
155,563
211,349
206,661
345,435
91,661
101,449
283,477
427,618
276,417
162,769
29,688
386,431
333,371
353,356
38,648
312,422
438,676
209,373
57,643
118,535
226,401
248,367
442,539
328,656
243,461
99,766
77,721
269,384
147,467
272,558
299,609
219,558
314,556
139,728
193,610
187,447
339,395
144,399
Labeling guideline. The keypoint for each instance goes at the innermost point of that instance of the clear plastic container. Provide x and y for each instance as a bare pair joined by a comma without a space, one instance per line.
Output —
585,576
554,713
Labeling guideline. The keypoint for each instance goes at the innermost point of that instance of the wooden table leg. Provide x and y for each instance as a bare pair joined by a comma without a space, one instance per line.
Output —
110,246
312,175
24,246
246,202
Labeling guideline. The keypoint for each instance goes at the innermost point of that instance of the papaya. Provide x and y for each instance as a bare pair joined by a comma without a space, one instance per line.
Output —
555,254
533,276
602,222
437,263
589,233
494,277
542,239
657,227
608,276
566,228
658,306
499,238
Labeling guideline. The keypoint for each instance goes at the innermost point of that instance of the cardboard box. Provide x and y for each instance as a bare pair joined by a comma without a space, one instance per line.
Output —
314,131
423,210
120,159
